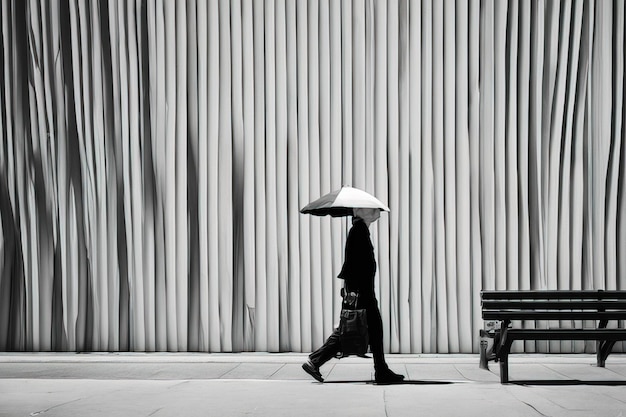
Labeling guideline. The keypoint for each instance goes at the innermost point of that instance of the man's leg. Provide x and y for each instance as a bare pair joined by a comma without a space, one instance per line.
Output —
322,355
328,350
375,328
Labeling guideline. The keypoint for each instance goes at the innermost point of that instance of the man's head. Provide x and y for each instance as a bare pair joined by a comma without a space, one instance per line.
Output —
368,215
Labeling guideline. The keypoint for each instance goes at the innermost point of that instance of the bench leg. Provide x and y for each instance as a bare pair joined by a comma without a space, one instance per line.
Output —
484,361
503,357
504,370
483,355
604,349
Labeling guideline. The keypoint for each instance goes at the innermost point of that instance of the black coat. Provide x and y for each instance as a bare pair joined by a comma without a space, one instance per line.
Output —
359,267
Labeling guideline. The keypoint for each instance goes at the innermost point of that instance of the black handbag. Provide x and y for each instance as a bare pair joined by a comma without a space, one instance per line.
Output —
353,331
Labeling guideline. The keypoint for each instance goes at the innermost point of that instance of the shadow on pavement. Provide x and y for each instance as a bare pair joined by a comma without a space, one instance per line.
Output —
566,382
405,382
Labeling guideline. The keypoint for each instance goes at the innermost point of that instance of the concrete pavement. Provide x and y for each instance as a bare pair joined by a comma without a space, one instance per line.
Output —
257,384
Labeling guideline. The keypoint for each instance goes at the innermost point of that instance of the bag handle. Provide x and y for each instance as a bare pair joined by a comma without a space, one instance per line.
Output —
349,298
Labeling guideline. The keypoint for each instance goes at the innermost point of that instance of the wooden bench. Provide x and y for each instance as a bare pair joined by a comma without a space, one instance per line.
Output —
597,307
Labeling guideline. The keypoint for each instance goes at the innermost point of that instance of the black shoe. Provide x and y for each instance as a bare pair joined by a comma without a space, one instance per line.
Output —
387,376
312,370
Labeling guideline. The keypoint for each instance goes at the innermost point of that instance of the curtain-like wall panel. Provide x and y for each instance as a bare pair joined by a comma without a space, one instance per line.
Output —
154,155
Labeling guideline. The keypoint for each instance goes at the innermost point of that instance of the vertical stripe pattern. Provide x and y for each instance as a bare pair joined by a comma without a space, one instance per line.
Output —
154,155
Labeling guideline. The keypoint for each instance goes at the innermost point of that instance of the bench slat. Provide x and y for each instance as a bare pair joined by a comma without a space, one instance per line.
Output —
567,334
553,315
552,295
554,305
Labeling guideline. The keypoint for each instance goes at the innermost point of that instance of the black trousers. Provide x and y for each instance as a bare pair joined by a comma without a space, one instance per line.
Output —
375,328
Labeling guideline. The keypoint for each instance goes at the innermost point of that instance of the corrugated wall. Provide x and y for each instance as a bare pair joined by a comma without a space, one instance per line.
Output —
155,154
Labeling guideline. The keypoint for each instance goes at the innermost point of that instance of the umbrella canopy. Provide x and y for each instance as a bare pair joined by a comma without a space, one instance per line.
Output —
342,202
